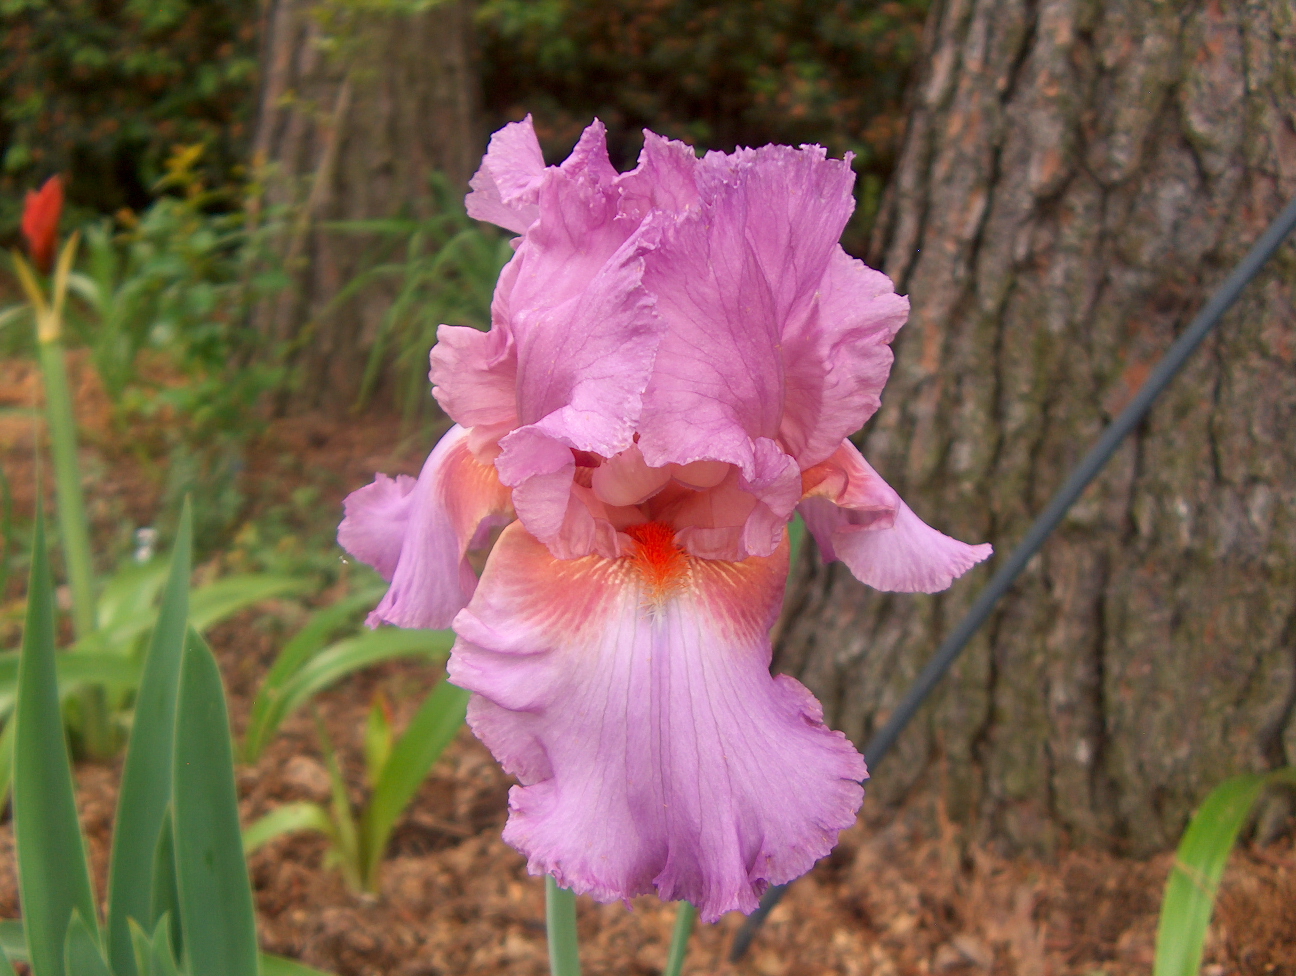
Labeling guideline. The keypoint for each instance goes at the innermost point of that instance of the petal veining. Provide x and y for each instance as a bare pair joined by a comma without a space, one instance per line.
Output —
653,748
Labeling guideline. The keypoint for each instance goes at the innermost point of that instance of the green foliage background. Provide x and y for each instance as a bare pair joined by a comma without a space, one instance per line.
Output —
103,90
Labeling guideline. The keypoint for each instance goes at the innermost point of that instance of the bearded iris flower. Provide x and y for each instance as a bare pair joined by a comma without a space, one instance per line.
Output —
676,357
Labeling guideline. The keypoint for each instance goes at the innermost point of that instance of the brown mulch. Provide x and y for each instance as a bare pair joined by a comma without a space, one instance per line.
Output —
896,898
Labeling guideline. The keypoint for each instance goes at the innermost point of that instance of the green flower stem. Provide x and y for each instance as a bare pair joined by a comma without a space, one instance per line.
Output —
67,478
560,919
685,916
73,528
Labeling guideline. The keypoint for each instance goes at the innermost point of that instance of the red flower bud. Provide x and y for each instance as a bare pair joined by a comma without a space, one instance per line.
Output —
40,222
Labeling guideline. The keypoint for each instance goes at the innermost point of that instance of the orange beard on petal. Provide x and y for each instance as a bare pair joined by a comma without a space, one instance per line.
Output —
661,564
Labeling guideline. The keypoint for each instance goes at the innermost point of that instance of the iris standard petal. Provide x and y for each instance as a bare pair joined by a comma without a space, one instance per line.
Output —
416,534
586,338
837,358
506,187
665,179
474,377
730,279
633,700
858,518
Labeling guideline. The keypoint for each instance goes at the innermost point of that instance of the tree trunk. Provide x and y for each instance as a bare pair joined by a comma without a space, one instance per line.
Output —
1076,179
358,107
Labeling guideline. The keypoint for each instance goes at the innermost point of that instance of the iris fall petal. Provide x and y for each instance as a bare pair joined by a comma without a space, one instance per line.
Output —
653,747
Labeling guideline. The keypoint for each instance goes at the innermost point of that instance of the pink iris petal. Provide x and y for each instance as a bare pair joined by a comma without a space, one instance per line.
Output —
547,498
590,156
838,357
475,375
506,187
416,534
625,479
858,518
377,518
731,278
665,179
740,517
585,337
653,747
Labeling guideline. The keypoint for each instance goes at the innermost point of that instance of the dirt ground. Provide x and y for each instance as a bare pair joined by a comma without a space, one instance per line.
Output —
896,898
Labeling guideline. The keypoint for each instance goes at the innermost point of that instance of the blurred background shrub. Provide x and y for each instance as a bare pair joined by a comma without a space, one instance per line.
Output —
103,90
714,73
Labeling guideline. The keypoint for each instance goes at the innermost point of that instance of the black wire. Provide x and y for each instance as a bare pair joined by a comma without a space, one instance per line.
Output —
1085,472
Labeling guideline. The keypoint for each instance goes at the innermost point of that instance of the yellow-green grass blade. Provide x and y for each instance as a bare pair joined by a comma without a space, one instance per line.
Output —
142,945
279,966
287,819
53,879
333,664
145,795
226,596
432,729
378,739
1199,865
81,953
216,910
76,668
303,646
129,593
685,917
323,624
346,842
6,760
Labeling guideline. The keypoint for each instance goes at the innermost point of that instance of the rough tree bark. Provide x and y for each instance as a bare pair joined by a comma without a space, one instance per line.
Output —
358,106
1077,176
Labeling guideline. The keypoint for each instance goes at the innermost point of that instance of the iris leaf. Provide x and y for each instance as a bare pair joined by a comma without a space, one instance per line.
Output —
162,960
53,879
146,778
164,893
1199,865
334,663
429,732
216,910
81,953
